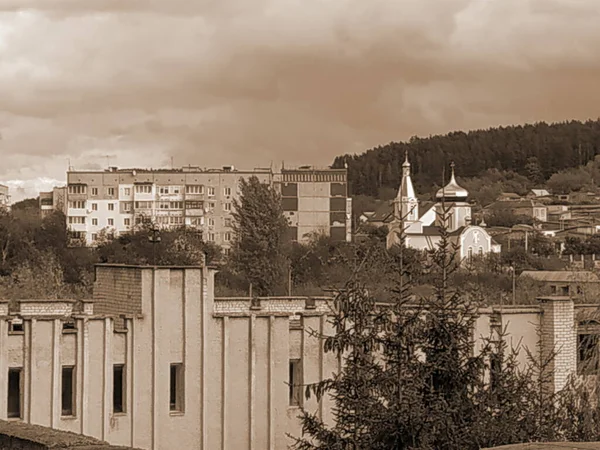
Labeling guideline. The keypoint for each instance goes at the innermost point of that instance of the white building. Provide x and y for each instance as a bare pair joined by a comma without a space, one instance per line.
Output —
422,229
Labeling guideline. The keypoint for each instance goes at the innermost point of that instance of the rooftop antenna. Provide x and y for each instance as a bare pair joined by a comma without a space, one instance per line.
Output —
107,161
282,165
171,162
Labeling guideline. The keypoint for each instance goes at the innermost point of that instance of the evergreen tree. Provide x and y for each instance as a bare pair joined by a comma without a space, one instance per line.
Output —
258,251
413,378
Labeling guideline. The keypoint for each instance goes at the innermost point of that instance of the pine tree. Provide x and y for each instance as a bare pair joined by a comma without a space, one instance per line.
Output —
413,377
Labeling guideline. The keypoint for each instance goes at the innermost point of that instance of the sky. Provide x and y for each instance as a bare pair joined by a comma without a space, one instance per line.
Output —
147,83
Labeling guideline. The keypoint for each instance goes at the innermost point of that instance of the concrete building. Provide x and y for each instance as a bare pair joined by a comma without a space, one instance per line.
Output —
54,200
116,200
422,228
155,359
4,197
316,201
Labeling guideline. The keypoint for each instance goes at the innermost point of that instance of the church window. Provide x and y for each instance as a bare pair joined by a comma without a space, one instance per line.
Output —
480,250
470,253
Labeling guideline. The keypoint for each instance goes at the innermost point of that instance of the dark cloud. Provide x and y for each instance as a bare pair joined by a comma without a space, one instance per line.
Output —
245,83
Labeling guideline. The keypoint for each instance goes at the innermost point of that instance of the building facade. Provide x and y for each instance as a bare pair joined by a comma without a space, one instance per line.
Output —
155,359
422,229
54,200
116,200
316,201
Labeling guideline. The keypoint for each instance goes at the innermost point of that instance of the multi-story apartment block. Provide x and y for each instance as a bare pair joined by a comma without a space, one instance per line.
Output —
116,200
54,200
4,197
316,201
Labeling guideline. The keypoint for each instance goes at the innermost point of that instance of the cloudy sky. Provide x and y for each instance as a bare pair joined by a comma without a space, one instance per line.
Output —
247,82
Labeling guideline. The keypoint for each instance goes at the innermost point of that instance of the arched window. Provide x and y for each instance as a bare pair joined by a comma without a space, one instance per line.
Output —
480,251
470,254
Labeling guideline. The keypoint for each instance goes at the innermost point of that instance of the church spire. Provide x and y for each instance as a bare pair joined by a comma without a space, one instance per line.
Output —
406,205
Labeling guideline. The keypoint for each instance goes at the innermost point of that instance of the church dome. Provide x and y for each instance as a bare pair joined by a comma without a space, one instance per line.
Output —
452,191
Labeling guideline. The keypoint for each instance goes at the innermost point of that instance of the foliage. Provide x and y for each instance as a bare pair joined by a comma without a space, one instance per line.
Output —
410,379
176,247
258,253
570,180
556,146
578,246
506,218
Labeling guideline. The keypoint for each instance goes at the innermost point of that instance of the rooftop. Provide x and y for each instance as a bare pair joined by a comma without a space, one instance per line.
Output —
561,276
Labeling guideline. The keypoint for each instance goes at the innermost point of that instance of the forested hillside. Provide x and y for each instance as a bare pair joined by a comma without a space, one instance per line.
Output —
533,151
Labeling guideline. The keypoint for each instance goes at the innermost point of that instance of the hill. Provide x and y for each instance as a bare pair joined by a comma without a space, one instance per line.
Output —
535,151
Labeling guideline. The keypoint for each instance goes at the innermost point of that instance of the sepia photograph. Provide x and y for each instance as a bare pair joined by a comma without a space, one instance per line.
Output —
299,225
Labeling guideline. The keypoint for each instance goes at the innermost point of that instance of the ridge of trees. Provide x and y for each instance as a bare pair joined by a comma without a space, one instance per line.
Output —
533,152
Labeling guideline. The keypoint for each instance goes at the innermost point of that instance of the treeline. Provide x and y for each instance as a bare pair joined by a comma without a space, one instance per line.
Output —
534,152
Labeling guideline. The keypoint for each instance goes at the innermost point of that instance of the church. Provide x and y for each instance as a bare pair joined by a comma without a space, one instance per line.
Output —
422,230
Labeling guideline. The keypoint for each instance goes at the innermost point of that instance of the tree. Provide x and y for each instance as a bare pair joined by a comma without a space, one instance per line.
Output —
410,378
534,171
567,181
258,252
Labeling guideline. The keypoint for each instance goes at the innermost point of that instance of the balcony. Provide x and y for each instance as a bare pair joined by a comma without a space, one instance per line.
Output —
196,212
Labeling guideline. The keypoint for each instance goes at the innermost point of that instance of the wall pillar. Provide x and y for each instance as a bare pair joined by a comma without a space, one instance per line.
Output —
558,336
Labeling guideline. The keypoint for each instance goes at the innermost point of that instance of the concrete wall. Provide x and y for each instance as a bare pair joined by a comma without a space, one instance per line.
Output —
235,354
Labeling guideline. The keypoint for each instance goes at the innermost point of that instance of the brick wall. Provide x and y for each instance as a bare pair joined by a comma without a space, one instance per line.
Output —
22,436
271,305
118,290
45,308
559,335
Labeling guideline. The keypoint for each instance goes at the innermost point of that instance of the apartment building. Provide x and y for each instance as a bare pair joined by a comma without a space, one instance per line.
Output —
4,197
116,200
316,201
54,200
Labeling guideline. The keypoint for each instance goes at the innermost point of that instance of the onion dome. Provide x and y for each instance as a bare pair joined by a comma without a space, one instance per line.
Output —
452,191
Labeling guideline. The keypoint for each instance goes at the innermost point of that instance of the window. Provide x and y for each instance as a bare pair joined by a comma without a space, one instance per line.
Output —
196,221
295,382
143,189
564,290
77,219
94,206
15,399
226,251
118,388
211,191
126,206
143,205
176,190
227,191
227,236
111,206
127,191
227,206
163,205
69,326
176,205
480,251
211,206
111,222
227,222
94,237
67,388
80,204
111,191
211,237
94,221
77,188
553,289
163,190
470,254
94,191
127,222
211,222
194,189
194,205
176,220
176,396
16,328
